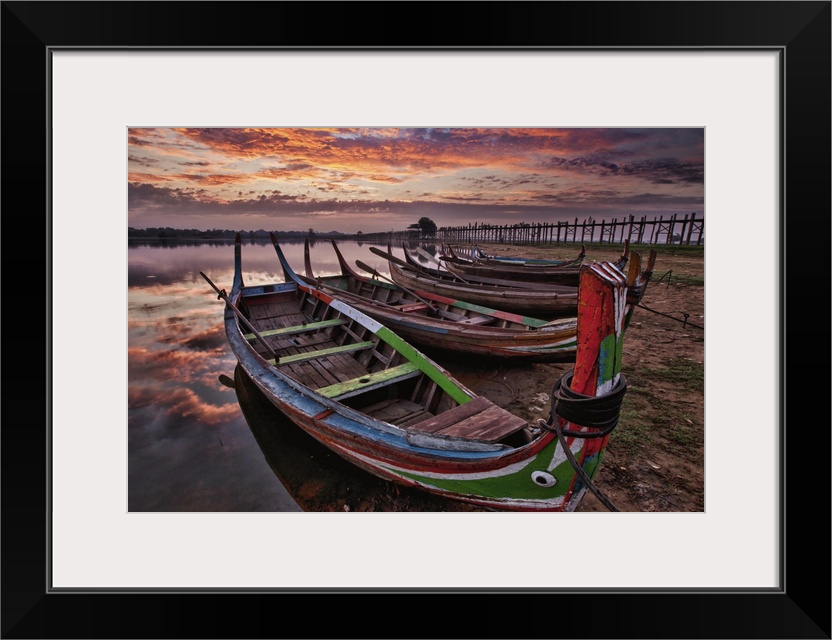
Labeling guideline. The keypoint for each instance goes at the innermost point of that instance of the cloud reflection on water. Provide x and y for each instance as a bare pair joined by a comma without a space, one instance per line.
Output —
189,446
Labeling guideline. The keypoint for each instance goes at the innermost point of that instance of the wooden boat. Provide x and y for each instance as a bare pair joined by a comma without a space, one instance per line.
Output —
518,275
437,322
311,474
477,270
372,398
520,272
478,255
541,300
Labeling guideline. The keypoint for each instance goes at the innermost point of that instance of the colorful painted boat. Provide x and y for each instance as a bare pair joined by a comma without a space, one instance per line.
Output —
512,272
475,253
442,324
545,301
566,272
448,269
372,398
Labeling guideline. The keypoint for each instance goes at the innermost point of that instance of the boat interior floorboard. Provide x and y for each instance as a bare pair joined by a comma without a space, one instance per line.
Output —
479,419
398,411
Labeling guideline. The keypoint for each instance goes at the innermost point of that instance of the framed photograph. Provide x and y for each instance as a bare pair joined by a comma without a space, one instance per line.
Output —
85,82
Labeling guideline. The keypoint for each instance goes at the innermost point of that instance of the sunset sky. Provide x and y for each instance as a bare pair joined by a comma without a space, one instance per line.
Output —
384,179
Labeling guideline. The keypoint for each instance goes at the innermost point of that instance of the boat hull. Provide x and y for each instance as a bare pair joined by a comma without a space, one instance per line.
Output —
500,481
531,274
524,346
554,343
542,304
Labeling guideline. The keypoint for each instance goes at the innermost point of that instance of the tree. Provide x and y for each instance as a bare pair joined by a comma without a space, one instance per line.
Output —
427,226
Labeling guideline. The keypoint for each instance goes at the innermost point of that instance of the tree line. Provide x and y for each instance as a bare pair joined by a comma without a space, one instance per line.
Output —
169,233
425,225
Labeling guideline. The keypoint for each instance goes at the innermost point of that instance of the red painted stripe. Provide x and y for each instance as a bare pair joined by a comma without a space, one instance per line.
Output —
411,461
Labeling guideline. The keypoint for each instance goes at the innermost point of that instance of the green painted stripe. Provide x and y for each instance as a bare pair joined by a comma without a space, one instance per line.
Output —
285,331
516,485
311,355
607,356
443,381
572,344
378,377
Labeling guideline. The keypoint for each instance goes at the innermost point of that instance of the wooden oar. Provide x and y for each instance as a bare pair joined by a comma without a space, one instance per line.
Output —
228,382
369,269
240,315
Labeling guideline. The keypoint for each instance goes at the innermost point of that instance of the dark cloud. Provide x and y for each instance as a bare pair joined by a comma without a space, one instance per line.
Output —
143,161
668,170
209,340
672,170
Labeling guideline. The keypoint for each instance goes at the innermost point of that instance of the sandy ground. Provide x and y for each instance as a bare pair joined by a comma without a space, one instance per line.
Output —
654,461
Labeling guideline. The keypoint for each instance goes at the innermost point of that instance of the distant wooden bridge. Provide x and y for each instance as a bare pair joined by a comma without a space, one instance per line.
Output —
673,229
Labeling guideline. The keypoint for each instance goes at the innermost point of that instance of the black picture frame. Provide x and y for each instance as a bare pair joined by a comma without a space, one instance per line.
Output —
800,608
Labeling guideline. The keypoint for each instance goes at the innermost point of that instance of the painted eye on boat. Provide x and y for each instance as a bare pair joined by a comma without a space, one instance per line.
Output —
544,479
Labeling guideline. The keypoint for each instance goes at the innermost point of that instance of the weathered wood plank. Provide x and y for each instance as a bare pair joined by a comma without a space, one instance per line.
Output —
358,346
477,320
414,418
397,411
370,381
412,307
479,419
303,328
461,412
491,425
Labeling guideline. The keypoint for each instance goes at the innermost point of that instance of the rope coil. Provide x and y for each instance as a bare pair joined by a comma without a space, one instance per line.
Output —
594,412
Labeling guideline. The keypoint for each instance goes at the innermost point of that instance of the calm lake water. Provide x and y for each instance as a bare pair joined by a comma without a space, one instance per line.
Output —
190,447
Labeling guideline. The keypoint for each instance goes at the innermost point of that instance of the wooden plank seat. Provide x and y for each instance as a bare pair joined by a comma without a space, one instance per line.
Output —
370,381
479,419
322,353
301,328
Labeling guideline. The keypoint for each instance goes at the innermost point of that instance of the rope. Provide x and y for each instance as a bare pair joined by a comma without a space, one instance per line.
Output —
594,412
666,274
578,468
684,322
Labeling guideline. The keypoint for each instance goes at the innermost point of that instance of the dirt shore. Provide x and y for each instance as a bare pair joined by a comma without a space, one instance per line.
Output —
654,461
